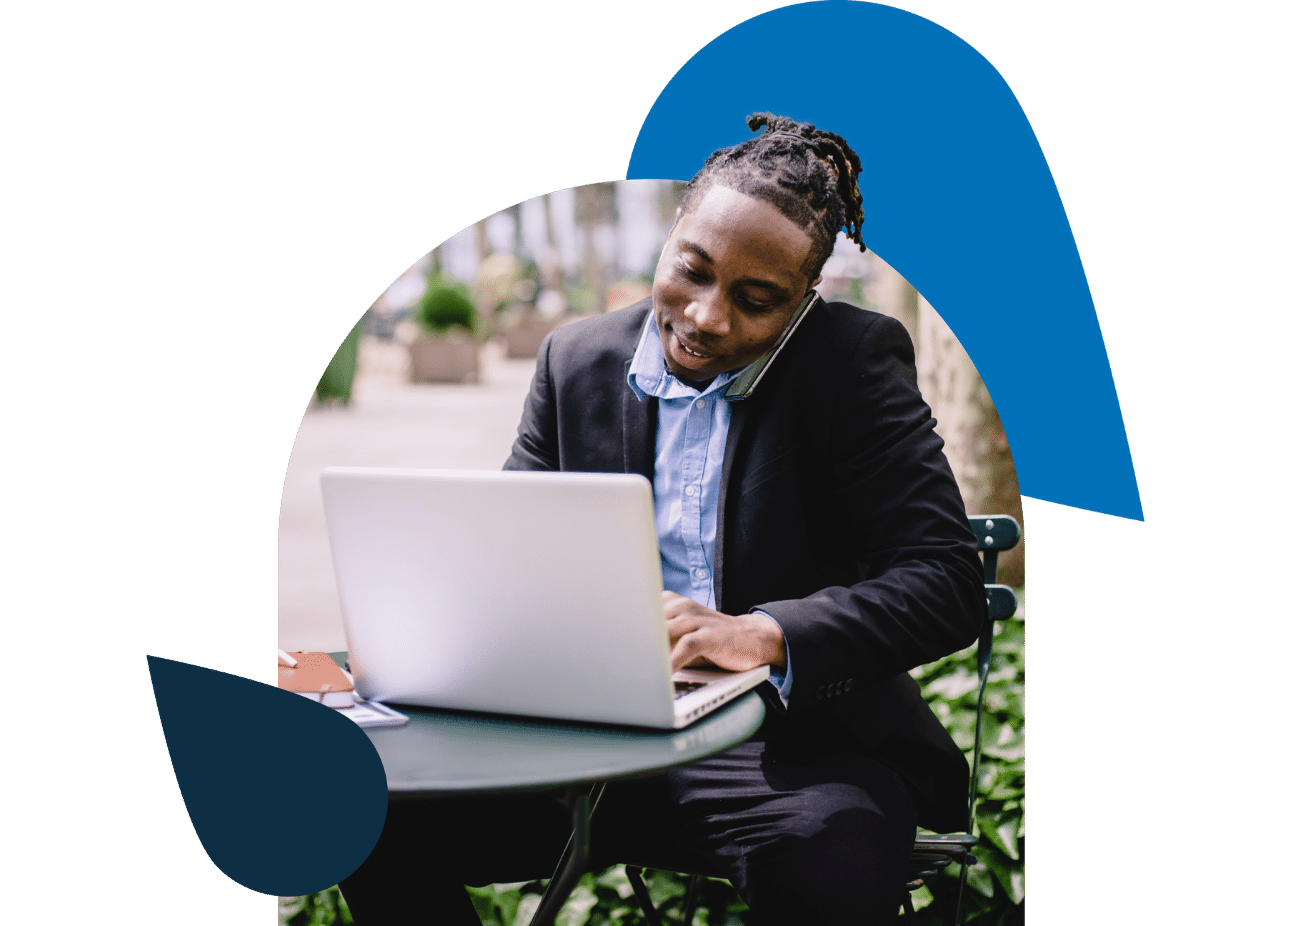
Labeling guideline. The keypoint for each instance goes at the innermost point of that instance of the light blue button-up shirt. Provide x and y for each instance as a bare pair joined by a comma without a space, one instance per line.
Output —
690,442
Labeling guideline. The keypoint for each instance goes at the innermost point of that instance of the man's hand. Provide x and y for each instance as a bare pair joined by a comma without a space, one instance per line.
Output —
700,636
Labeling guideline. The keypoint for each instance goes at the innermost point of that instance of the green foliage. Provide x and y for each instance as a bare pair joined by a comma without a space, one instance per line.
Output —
605,899
444,305
322,909
994,892
338,379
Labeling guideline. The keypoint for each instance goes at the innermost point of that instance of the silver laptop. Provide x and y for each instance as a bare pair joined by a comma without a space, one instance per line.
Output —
537,594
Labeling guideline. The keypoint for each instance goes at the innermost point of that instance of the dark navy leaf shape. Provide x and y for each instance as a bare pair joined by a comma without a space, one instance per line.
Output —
287,796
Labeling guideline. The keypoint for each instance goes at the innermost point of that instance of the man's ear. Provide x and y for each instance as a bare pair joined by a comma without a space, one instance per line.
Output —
816,283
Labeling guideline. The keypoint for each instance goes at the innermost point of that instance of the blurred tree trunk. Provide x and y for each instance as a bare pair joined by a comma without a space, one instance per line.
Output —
481,242
967,421
594,205
593,273
888,291
553,268
517,238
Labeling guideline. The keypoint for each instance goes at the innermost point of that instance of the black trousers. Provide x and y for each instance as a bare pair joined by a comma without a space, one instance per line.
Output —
806,835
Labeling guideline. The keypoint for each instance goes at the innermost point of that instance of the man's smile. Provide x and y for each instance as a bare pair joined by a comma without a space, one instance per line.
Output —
694,352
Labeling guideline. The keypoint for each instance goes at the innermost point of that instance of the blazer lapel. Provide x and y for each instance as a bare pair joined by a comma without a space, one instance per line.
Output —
639,420
739,414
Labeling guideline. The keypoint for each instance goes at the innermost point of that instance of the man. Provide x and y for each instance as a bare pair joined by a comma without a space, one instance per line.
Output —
807,521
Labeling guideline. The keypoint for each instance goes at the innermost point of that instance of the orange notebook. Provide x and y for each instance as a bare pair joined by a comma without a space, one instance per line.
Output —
317,677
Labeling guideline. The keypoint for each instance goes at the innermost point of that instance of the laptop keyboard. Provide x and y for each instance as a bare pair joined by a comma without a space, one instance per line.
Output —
684,688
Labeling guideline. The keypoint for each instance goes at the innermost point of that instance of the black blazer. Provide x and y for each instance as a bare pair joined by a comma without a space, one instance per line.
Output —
838,516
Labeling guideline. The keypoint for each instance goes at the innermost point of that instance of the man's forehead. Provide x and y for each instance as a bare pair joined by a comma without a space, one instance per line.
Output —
727,219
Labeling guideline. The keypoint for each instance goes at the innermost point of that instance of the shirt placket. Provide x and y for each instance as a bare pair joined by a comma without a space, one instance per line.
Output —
699,429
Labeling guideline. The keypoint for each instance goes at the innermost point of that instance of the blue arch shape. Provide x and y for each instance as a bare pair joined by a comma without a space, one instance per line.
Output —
958,199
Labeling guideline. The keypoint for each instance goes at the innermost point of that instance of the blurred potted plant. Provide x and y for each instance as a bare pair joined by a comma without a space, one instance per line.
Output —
446,350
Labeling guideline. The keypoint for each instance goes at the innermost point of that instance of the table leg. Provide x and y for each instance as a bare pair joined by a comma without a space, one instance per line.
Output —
575,859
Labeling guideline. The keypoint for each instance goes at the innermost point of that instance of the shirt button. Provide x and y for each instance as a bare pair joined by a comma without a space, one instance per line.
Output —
690,490
701,573
699,403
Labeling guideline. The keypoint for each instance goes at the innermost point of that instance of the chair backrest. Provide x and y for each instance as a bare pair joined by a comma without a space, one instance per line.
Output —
995,534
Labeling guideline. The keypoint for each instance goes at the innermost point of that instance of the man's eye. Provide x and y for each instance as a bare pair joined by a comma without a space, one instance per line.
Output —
691,274
756,307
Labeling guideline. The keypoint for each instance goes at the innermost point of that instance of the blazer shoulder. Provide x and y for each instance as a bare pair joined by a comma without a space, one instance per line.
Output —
839,341
607,341
837,320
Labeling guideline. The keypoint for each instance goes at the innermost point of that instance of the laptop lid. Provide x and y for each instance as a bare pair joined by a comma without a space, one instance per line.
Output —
513,592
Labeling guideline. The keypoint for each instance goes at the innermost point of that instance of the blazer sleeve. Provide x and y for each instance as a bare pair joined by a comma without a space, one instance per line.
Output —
903,524
536,445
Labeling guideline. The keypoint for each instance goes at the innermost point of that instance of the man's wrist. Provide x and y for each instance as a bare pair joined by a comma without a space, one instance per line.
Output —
770,640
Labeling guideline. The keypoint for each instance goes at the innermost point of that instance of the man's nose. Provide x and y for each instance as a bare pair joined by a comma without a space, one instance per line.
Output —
710,314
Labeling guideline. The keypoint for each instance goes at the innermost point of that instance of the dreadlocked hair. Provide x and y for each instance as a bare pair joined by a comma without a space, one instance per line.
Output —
809,174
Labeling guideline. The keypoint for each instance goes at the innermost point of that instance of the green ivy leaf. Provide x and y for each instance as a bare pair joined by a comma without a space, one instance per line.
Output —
525,909
980,880
952,686
616,879
1014,886
1002,829
578,908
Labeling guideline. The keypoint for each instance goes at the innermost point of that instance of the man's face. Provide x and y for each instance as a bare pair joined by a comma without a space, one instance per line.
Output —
732,272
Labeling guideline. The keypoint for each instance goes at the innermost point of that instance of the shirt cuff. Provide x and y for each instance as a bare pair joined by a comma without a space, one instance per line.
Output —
781,678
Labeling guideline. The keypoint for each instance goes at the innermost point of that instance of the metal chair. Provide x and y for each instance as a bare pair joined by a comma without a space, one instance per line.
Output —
931,854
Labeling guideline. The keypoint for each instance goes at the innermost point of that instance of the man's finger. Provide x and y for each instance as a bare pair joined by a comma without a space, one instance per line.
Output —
682,622
686,652
677,605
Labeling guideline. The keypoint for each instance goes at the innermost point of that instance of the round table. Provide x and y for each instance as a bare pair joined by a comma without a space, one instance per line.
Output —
448,753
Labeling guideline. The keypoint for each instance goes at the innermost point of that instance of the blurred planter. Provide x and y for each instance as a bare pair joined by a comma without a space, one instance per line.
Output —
446,350
449,358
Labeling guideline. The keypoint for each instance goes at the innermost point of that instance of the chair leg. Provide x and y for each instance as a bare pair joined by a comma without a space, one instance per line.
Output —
643,896
692,895
907,904
574,861
963,879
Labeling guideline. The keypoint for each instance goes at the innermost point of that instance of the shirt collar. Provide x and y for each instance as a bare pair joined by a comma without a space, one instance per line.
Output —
648,374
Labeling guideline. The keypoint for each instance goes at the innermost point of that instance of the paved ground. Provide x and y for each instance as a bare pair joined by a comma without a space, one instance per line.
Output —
389,422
